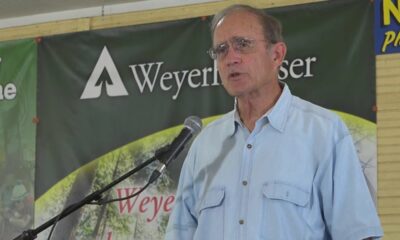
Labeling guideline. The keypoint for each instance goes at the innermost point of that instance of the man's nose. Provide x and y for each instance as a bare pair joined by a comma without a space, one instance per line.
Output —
233,57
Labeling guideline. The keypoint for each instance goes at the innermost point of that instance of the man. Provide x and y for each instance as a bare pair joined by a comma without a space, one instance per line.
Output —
276,167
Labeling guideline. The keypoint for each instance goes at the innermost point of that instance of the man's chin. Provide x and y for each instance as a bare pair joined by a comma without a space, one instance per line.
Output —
235,92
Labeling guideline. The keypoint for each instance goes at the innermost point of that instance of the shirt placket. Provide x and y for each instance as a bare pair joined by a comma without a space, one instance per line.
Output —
245,184
248,159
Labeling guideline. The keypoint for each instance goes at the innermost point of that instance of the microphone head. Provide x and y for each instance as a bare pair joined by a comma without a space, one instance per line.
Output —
194,124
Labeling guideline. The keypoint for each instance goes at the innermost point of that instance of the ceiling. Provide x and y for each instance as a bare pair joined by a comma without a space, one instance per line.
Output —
27,12
21,8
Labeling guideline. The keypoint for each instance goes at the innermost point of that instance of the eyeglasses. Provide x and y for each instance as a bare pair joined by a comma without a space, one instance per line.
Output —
239,44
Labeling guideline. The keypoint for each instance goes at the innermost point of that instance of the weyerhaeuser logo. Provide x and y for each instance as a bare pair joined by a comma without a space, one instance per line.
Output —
114,86
8,91
149,76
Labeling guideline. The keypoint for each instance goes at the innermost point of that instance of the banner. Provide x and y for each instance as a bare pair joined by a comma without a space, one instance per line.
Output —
17,135
387,26
108,99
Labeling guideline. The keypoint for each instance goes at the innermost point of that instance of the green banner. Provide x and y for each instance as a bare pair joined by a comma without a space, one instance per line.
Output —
331,60
17,135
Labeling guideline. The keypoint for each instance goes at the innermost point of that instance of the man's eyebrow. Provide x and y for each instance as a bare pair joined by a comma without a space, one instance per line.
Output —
233,37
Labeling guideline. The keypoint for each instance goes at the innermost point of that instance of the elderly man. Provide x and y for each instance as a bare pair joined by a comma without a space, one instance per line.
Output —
276,167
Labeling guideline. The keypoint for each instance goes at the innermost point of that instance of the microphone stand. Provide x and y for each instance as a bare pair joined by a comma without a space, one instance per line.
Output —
95,196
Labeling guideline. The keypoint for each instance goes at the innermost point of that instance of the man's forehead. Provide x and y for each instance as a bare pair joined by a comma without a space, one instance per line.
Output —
238,23
240,16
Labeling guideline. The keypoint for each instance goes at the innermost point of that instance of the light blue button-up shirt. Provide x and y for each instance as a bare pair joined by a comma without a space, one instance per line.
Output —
295,176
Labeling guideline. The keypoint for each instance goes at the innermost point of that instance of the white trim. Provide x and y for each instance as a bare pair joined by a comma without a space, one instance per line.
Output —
49,17
96,11
148,5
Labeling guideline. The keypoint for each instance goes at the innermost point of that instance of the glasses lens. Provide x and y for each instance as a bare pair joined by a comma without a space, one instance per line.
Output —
242,45
212,53
219,51
239,44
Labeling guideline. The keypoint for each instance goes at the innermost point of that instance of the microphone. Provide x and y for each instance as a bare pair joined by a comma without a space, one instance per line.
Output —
193,126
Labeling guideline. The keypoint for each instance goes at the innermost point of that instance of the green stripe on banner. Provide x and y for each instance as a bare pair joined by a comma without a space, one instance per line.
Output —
18,61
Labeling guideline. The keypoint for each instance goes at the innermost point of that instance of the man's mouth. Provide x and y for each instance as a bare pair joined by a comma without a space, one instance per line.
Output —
234,74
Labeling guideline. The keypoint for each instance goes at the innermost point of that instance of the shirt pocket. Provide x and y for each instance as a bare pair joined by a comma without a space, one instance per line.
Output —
211,216
284,211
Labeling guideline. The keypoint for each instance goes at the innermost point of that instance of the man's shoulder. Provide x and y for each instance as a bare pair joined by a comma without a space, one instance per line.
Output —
323,122
224,119
221,124
214,132
313,110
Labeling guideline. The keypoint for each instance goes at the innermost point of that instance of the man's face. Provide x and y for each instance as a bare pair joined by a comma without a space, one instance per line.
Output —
250,71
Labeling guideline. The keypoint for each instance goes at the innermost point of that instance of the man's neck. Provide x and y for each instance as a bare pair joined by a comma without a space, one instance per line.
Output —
252,106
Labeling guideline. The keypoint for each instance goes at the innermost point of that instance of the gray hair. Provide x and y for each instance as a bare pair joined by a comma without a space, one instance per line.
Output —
271,26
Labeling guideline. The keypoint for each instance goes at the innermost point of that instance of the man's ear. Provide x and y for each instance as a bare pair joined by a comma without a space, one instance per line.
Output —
279,52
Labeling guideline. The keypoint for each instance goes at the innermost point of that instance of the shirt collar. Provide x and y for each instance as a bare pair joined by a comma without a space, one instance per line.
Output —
279,114
236,116
232,122
276,116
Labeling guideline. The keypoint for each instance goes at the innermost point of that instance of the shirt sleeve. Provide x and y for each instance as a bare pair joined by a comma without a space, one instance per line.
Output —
182,222
349,210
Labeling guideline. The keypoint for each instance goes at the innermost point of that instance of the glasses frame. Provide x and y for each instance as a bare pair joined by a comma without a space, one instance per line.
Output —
242,45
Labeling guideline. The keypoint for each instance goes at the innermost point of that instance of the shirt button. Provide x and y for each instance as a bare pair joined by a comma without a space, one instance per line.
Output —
244,183
241,221
249,146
